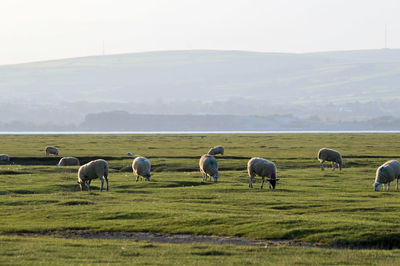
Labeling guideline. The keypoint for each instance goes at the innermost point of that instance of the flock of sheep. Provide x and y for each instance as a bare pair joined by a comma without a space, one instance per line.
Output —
208,165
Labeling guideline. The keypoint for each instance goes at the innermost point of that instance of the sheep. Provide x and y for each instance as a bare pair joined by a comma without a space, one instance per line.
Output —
263,168
92,170
329,155
216,150
209,167
387,173
66,161
141,167
51,150
4,157
129,154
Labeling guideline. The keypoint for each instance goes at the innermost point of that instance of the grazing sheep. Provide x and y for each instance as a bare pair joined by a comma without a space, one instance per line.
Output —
387,173
4,157
209,167
329,155
92,170
216,150
141,167
263,168
129,154
51,150
67,161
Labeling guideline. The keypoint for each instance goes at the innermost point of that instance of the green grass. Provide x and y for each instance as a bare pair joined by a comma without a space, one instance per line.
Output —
16,250
324,208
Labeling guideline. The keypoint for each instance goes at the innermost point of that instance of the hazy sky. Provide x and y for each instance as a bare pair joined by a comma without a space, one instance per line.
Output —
50,29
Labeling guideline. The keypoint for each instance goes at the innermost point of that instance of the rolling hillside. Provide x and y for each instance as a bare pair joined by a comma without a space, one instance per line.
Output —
207,75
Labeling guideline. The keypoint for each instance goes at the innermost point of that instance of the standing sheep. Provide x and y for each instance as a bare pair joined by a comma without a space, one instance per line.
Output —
329,155
67,161
387,173
4,157
263,168
92,170
209,167
216,150
141,167
51,150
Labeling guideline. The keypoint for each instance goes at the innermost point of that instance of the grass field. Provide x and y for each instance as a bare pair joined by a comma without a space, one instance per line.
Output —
337,209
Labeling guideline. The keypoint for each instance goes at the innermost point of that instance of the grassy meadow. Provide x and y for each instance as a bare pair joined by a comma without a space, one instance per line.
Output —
331,208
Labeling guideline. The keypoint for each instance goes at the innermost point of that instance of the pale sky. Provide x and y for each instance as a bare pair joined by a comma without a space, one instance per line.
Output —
35,30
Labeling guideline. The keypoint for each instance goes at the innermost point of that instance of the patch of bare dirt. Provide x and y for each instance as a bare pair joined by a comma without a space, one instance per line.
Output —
167,238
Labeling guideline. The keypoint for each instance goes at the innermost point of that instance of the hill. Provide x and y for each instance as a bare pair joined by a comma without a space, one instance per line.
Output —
345,85
208,75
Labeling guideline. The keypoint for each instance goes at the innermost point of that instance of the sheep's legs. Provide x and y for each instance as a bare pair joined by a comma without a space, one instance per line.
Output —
106,178
262,183
333,166
102,183
322,165
388,186
250,182
397,186
137,178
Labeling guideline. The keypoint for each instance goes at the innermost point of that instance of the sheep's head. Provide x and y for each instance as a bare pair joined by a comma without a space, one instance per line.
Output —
215,177
272,181
377,186
147,177
82,185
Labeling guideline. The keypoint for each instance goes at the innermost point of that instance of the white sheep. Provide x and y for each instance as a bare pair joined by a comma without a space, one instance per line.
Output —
263,168
141,167
387,173
4,157
216,150
329,155
92,170
67,161
209,167
51,150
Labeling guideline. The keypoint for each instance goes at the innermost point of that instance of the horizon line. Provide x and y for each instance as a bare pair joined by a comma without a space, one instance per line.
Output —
190,50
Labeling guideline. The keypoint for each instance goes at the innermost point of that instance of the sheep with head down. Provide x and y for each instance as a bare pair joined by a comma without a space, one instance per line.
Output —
216,150
51,150
209,167
4,157
68,161
93,170
263,168
387,173
141,167
330,155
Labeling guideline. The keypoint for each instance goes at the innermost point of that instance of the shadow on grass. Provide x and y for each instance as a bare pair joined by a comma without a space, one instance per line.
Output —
76,202
22,191
133,216
382,241
11,172
187,184
212,253
299,233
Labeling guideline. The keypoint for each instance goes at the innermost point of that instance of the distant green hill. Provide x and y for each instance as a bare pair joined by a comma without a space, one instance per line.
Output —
208,75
